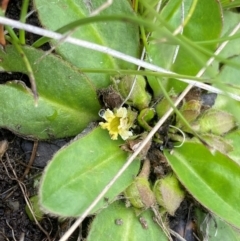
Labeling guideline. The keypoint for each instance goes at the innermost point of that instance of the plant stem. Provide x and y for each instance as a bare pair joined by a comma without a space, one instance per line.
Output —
113,53
12,34
29,69
145,172
23,15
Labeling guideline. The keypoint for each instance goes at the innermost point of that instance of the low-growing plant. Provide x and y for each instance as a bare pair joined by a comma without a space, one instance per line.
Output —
144,81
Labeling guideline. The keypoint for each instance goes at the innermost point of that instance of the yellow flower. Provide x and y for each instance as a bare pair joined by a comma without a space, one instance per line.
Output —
118,122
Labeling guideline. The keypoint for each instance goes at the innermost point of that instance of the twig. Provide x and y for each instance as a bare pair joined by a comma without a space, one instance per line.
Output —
11,230
3,234
31,160
102,7
4,5
160,222
175,234
23,189
111,52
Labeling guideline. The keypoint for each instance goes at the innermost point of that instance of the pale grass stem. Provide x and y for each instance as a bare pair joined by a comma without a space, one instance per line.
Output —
138,62
112,52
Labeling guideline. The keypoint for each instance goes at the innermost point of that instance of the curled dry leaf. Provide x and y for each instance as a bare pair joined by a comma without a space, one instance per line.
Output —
132,145
3,147
4,5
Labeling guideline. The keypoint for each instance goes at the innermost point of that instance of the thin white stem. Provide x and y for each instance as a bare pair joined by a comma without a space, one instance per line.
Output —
220,48
179,30
111,52
134,80
102,7
183,135
142,57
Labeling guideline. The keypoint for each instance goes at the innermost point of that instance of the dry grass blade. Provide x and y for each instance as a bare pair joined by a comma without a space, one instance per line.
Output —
23,189
112,52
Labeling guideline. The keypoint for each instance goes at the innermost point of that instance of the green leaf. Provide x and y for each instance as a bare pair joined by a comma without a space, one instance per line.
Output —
80,171
205,24
234,138
229,105
223,231
122,224
38,213
213,179
215,229
120,36
67,99
231,19
215,121
229,77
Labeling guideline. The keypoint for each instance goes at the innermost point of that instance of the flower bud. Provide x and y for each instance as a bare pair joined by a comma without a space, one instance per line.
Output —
216,142
190,110
215,121
132,145
169,193
163,106
140,194
139,98
144,117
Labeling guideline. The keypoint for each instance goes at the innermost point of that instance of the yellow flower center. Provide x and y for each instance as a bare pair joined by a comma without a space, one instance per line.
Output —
114,124
118,122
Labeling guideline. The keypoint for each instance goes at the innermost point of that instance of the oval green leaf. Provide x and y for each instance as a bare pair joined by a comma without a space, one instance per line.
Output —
118,35
80,171
67,99
122,224
213,179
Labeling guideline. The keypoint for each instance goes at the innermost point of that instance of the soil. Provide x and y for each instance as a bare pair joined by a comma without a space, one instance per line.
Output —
15,172
14,222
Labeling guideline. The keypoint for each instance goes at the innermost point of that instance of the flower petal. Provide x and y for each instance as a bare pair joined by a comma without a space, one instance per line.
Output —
122,112
125,134
108,115
114,135
118,122
104,125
